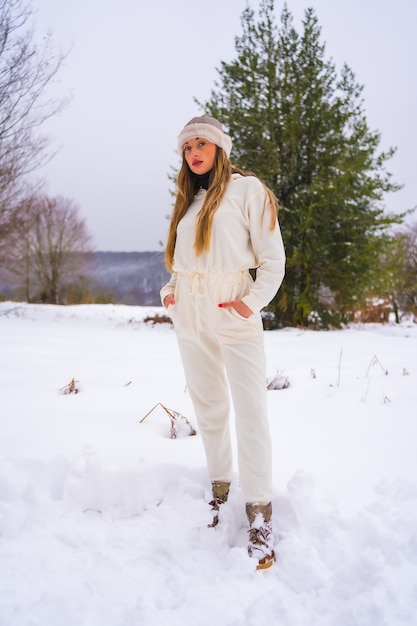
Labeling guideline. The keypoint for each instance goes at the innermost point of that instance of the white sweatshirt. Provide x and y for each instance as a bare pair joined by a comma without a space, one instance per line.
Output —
240,239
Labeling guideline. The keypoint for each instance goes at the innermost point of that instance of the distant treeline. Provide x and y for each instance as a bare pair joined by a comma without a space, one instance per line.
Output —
130,277
120,277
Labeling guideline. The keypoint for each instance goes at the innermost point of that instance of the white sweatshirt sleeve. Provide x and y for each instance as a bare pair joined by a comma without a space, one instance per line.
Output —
269,251
169,288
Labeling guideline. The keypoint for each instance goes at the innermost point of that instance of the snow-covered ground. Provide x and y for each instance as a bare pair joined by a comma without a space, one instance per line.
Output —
103,519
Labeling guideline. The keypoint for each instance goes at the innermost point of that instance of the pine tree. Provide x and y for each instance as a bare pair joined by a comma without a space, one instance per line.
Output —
301,127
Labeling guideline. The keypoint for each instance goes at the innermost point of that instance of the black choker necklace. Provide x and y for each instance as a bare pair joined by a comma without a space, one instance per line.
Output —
203,180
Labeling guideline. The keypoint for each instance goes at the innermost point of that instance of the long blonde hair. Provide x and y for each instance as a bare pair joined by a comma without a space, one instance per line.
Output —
186,189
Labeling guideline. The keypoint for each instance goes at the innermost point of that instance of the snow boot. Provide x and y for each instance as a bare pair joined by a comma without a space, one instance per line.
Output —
220,492
261,539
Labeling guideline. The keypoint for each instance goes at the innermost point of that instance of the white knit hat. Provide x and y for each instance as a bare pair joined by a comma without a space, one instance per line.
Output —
207,127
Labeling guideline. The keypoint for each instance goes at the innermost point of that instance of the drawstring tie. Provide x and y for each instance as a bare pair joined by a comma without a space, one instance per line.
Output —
198,282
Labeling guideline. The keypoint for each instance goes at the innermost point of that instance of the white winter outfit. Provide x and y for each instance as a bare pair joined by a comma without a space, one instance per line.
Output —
217,345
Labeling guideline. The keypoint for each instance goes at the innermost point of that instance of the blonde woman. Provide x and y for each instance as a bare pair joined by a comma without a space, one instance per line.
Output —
224,223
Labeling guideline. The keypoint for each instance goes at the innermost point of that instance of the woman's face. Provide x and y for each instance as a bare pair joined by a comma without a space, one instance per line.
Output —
199,154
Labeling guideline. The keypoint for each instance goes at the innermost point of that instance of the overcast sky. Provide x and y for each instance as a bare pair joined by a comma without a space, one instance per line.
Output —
135,67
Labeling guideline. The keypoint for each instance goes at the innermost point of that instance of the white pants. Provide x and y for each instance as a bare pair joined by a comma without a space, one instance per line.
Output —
223,351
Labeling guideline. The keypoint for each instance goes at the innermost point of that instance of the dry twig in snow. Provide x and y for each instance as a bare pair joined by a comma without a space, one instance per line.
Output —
174,416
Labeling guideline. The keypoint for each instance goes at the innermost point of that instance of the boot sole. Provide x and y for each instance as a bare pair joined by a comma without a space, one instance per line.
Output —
266,563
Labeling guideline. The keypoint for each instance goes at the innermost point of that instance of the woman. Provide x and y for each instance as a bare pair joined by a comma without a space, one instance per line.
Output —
224,223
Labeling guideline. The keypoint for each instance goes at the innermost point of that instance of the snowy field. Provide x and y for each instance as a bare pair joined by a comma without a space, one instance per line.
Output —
103,519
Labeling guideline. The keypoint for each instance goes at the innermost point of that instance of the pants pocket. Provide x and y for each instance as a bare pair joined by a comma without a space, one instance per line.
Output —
232,325
183,312
229,323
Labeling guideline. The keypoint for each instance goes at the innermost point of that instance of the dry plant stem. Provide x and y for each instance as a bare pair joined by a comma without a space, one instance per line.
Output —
340,366
365,395
70,388
376,361
278,382
173,415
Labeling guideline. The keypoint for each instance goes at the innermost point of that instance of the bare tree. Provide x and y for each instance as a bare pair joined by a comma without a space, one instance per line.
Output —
26,69
52,250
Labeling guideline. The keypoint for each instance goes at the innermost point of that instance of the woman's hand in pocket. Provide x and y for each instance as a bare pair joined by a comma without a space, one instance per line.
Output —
168,300
239,306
